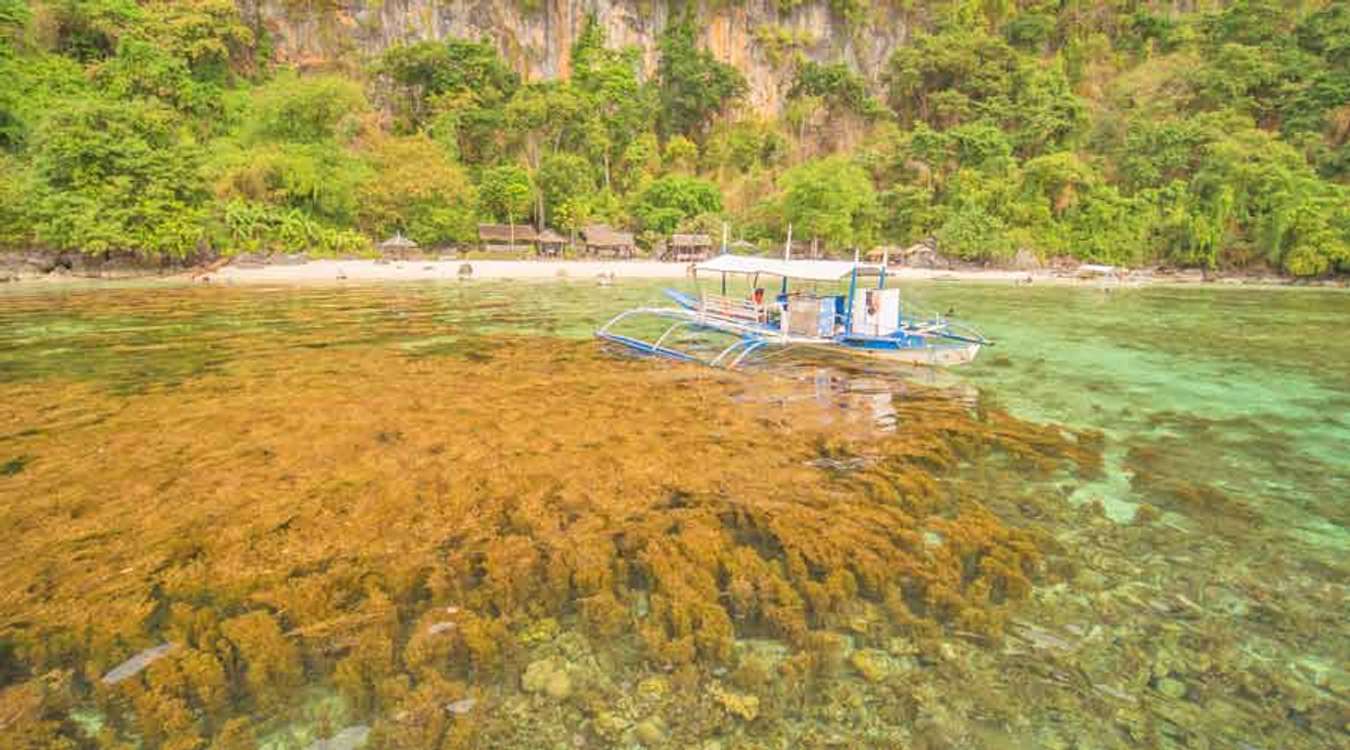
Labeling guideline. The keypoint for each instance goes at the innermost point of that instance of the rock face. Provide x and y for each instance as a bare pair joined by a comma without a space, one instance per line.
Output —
36,264
536,37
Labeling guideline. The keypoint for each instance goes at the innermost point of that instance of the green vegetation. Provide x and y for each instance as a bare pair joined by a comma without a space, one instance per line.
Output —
1121,131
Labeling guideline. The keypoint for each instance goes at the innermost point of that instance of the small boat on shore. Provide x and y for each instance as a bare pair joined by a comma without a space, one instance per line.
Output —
868,319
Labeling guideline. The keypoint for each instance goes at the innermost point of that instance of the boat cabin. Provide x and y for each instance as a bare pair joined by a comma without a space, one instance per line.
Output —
865,310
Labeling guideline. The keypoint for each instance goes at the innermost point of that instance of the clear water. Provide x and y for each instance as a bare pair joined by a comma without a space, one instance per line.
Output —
1247,390
174,459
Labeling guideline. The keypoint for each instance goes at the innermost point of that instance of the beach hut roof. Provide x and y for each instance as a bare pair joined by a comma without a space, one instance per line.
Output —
507,233
397,242
601,235
690,240
882,251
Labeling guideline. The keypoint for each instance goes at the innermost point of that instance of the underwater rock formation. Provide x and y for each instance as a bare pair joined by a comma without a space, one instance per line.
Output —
136,663
350,738
455,529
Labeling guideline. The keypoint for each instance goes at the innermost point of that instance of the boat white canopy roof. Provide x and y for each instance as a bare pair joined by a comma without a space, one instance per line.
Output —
809,270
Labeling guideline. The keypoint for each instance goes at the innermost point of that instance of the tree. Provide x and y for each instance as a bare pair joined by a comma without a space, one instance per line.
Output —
306,110
88,30
620,102
694,85
671,200
681,154
641,163
417,189
426,71
831,199
565,179
745,145
14,15
209,36
541,119
321,179
506,193
972,232
142,69
113,175
837,85
947,78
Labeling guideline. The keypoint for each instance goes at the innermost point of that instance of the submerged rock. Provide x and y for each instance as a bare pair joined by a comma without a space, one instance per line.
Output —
461,707
609,725
440,627
653,689
740,705
873,665
348,739
135,664
1172,688
547,676
651,732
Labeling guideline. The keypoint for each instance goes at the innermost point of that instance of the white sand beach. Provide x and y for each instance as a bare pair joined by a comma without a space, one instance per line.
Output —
433,270
330,271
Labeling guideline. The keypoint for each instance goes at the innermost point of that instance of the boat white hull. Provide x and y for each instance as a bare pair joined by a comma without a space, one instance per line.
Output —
750,338
936,356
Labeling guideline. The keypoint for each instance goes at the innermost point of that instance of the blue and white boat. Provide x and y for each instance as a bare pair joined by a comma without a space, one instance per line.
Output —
867,319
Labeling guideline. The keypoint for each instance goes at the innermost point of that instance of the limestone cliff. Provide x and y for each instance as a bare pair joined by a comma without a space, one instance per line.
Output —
536,36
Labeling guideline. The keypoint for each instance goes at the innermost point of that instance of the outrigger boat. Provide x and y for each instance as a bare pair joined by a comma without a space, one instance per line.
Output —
869,322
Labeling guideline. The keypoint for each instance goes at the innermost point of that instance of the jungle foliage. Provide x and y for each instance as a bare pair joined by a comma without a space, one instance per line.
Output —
1119,131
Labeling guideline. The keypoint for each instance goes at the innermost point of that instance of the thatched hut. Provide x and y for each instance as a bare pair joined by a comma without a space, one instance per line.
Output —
922,255
807,249
397,246
686,248
889,254
551,243
509,237
602,240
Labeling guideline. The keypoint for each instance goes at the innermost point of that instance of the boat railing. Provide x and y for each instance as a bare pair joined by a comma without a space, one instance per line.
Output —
732,308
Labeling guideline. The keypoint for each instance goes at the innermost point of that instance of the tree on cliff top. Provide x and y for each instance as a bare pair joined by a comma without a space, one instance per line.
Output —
609,79
424,71
694,85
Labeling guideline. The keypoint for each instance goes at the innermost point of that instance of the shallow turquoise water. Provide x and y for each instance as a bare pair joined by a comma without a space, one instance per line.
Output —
1243,394
1248,389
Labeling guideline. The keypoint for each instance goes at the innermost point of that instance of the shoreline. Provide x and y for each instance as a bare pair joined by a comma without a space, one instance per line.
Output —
338,271
327,271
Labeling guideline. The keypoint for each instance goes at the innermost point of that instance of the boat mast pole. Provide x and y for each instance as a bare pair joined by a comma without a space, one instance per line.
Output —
852,292
787,254
724,252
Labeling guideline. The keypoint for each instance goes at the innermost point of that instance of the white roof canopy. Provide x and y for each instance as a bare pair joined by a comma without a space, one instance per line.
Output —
809,270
